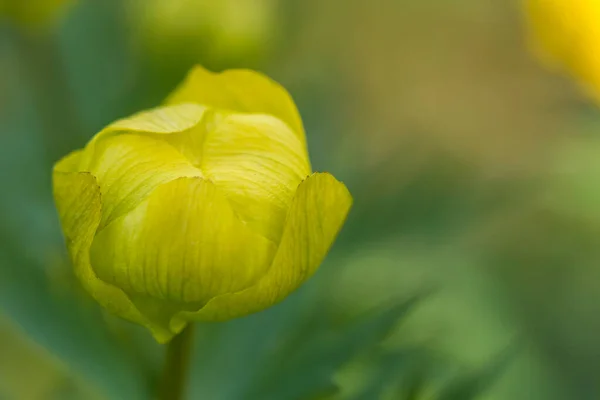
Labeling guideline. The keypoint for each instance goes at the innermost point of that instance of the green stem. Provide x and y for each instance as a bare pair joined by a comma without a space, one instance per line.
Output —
176,367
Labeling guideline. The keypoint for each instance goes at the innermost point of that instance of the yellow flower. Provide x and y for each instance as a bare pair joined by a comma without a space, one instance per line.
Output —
203,209
566,35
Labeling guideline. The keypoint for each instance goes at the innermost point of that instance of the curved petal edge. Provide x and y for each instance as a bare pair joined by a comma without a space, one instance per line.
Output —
316,215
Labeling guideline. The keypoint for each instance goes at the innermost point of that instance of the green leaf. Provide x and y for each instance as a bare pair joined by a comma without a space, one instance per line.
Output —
66,323
22,359
473,384
307,363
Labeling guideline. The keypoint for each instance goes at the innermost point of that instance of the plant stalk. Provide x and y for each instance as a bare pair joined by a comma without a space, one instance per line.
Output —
176,368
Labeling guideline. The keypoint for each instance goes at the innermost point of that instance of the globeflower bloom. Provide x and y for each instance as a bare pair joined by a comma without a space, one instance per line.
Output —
205,208
565,34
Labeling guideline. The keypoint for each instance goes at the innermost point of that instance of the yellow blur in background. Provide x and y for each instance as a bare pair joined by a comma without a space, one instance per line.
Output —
566,34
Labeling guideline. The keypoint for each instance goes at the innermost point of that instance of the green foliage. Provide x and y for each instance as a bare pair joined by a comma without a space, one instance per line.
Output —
318,350
473,384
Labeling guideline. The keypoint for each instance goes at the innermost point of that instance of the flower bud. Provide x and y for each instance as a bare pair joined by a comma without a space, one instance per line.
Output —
203,209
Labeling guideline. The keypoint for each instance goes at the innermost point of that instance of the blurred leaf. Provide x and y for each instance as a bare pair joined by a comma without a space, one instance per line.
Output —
23,360
393,370
296,349
98,63
414,386
218,371
69,326
471,385
320,348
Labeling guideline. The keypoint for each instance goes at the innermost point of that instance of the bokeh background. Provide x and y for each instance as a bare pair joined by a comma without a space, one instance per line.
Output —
469,267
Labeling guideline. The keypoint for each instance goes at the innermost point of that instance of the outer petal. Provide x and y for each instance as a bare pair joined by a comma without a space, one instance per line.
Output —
129,167
161,120
314,219
258,162
185,120
69,163
77,198
241,91
181,247
132,156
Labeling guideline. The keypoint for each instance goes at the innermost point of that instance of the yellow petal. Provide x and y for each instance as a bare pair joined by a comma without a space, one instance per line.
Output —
314,219
70,162
180,247
258,162
255,159
180,125
129,167
130,157
161,120
77,198
240,91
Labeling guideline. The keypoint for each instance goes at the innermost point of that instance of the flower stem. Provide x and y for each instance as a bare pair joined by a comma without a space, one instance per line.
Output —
176,367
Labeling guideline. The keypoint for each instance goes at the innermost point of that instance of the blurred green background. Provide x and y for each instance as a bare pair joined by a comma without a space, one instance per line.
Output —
468,269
